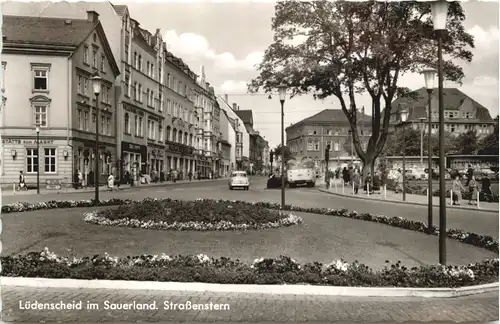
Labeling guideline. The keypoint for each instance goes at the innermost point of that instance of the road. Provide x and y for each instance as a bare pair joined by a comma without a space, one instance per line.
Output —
325,236
476,221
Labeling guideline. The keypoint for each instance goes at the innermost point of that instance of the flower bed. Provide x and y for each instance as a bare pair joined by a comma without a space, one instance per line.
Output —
282,270
482,241
207,215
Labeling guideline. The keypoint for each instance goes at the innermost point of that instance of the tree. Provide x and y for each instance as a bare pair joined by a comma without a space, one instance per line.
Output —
489,144
411,138
288,154
466,143
358,47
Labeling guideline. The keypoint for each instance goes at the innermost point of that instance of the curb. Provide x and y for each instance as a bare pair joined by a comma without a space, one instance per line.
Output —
105,189
403,202
251,289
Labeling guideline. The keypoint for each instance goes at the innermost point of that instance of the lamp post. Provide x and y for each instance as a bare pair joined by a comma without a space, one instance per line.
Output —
403,115
37,128
439,11
282,95
96,85
429,76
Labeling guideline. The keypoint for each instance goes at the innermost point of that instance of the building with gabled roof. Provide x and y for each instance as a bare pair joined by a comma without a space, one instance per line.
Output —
47,68
309,138
461,112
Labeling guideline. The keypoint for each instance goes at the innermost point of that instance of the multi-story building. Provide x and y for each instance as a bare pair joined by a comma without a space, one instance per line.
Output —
462,113
209,134
309,137
228,138
242,142
182,117
49,84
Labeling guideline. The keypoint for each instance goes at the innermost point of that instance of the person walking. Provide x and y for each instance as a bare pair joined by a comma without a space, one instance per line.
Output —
356,178
398,181
345,176
190,175
470,173
22,182
486,188
457,188
473,191
111,183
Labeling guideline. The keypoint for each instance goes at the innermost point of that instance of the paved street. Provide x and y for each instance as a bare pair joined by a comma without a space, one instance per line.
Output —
246,307
476,221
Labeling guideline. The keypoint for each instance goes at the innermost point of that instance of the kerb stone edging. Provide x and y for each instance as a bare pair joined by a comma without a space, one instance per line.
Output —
404,202
251,289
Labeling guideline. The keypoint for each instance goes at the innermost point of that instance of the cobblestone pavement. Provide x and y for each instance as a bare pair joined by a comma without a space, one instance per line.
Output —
245,307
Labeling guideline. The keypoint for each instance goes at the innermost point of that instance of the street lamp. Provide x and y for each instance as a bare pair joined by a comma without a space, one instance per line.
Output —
439,11
96,85
37,128
282,95
429,76
403,116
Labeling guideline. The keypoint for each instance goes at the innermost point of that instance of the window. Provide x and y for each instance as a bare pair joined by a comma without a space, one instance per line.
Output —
126,48
80,120
316,145
169,107
4,66
134,88
140,63
168,80
160,131
467,115
160,76
147,67
127,85
86,54
147,97
103,60
50,160
103,125
136,62
160,98
127,123
310,146
329,132
336,146
174,83
94,117
151,98
85,86
136,125
41,80
94,59
168,133
152,71
108,126
185,90
141,126
140,92
151,129
80,84
40,115
86,121
31,160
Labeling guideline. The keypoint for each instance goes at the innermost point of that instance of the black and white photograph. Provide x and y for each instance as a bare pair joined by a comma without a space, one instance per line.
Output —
194,161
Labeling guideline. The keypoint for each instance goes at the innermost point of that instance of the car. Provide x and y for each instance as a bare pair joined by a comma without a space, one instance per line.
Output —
484,173
414,174
239,179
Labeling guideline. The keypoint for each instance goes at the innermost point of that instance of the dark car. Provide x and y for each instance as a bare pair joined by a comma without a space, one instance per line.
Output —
274,182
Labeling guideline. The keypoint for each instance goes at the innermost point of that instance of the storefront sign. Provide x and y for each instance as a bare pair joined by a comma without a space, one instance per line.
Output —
179,148
133,148
53,185
13,141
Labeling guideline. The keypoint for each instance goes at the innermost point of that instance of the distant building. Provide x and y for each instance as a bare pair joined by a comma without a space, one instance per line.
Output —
48,64
462,113
309,137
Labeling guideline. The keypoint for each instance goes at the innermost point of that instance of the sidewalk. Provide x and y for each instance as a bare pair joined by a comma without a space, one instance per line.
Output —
71,190
411,199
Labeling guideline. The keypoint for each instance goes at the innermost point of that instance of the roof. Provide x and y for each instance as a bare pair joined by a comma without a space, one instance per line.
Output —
245,115
329,115
453,99
120,9
47,31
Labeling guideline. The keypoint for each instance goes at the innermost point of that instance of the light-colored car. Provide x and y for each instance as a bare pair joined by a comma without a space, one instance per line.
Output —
415,174
239,179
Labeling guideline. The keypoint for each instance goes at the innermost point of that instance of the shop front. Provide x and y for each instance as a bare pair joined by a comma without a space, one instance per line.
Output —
180,158
156,163
134,159
53,158
85,157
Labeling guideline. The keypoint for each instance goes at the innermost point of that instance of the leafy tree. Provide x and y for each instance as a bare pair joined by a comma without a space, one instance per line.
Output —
358,47
411,139
466,143
489,144
288,154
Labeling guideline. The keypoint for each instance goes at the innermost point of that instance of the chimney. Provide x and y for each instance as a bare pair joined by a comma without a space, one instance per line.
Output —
235,106
226,98
92,16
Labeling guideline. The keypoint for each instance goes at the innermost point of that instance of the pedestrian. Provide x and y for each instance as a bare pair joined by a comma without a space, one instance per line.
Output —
80,179
111,183
357,181
457,188
345,176
486,188
398,181
75,180
22,181
174,175
190,175
473,191
470,173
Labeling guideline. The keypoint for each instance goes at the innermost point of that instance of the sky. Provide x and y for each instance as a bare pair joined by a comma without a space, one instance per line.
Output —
229,37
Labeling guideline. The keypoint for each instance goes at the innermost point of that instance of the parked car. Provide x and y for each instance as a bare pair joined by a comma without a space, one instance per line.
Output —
484,173
239,179
415,174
